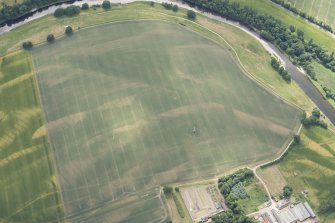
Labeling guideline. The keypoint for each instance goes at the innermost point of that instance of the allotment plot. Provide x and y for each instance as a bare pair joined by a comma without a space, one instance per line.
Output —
131,105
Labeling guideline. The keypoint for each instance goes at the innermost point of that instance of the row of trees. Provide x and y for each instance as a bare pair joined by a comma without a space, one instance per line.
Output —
296,11
27,45
288,39
329,93
73,10
170,6
68,11
226,184
8,12
280,69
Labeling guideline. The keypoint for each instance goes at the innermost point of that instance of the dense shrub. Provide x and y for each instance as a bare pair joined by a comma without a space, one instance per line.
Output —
106,4
50,38
84,6
59,12
27,45
287,191
191,15
175,8
68,11
72,10
68,30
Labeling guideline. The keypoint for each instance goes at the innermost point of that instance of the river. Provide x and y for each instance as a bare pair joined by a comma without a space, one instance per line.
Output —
297,75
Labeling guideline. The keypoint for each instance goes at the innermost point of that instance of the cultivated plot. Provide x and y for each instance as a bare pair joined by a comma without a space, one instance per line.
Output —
203,201
135,104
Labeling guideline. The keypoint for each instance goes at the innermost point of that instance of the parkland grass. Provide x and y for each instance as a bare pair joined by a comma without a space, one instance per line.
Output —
322,10
136,104
257,197
27,181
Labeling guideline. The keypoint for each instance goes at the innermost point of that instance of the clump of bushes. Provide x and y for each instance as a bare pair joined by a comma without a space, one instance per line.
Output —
106,4
280,69
170,6
314,120
68,30
84,6
27,45
191,15
50,38
68,11
287,191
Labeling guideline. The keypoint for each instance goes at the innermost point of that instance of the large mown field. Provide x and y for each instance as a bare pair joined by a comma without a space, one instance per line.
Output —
135,104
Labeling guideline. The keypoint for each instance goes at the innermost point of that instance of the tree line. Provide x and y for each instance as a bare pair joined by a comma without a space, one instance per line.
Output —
280,69
8,12
302,14
288,38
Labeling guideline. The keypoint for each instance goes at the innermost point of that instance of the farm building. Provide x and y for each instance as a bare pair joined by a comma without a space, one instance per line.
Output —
297,213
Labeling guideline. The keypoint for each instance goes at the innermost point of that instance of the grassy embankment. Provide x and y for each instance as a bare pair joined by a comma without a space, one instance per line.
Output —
27,179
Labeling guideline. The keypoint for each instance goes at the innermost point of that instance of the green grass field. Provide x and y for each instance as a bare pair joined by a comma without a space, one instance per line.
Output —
116,101
311,166
257,197
27,181
320,9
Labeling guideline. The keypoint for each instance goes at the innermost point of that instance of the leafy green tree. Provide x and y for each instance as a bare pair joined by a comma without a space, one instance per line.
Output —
191,15
59,12
296,139
287,191
175,8
292,29
300,33
167,190
72,10
68,30
50,38
84,6
27,45
316,113
106,4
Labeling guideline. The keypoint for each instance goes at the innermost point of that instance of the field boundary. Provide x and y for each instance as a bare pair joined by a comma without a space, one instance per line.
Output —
50,150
